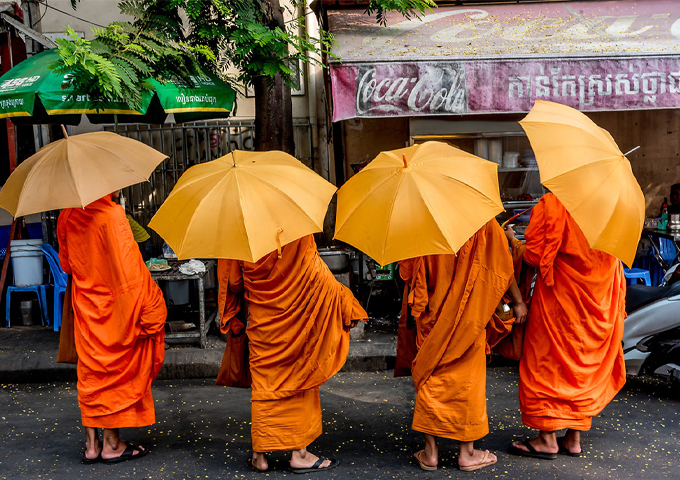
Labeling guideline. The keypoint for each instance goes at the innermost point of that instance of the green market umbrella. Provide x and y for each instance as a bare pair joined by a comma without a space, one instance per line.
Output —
31,93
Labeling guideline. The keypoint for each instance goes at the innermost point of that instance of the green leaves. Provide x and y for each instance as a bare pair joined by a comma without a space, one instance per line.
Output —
88,72
408,8
250,36
115,64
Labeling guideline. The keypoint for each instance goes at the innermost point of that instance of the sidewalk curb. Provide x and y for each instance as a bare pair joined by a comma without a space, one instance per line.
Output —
29,356
364,356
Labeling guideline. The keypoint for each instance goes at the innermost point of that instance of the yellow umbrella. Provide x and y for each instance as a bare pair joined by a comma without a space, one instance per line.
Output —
242,206
420,200
582,165
75,171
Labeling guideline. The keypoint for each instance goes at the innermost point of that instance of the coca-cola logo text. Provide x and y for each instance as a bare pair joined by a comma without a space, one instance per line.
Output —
420,89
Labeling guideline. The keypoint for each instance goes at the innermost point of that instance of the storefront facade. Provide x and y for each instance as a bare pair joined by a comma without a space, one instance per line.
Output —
467,74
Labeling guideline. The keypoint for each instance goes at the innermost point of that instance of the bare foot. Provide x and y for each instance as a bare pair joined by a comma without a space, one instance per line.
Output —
426,462
306,460
540,444
92,451
259,462
478,457
571,442
109,452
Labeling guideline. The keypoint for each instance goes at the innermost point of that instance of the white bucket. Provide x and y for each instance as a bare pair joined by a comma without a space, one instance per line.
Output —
28,268
25,248
20,243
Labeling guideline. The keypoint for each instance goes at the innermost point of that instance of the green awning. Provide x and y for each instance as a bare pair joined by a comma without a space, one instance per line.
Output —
31,90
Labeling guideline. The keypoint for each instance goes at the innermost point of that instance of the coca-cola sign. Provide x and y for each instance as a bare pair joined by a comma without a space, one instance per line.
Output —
504,86
419,88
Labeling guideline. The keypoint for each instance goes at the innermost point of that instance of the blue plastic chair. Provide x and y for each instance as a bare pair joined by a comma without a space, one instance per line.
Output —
638,273
59,277
41,293
668,251
664,256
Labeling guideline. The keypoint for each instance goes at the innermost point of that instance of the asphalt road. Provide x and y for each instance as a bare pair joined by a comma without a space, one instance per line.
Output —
203,432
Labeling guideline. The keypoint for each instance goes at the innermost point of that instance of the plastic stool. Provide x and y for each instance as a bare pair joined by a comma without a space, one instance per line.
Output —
40,291
636,273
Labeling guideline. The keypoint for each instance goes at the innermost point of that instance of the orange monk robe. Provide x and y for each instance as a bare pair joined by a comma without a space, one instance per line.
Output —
517,249
499,337
502,330
119,316
572,364
298,319
452,298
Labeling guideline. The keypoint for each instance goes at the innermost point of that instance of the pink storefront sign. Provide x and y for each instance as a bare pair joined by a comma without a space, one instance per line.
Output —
594,55
504,86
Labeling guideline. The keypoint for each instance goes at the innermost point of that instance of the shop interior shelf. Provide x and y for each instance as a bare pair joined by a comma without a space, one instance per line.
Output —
519,204
517,169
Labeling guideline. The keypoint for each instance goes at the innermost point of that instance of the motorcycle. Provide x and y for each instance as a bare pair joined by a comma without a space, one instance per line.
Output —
651,336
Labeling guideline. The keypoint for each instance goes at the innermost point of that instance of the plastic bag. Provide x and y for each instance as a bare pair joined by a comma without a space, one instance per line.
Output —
167,251
192,267
157,264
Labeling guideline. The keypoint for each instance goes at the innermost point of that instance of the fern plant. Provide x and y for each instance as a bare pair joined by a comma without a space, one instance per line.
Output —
117,63
249,35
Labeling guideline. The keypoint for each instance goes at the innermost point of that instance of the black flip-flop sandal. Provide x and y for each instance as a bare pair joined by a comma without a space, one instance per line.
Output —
90,461
315,468
564,451
128,453
533,453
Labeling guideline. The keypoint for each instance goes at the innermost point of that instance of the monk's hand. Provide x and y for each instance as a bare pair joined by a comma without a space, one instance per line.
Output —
521,311
352,324
510,233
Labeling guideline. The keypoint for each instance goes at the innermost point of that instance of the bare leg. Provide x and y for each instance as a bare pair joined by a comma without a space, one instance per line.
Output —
572,441
469,456
546,442
303,459
92,446
259,461
429,456
113,447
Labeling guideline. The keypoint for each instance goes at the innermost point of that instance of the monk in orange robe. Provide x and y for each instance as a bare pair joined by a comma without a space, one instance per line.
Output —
298,325
510,346
453,298
572,363
119,319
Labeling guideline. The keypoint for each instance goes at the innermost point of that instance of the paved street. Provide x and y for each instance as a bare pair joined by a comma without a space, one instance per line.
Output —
203,431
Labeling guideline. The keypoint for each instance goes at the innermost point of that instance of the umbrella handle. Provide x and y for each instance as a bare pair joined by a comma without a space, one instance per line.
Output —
514,217
278,241
63,129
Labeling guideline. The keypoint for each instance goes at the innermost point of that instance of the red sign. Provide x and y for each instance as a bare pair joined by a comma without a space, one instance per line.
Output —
503,86
613,55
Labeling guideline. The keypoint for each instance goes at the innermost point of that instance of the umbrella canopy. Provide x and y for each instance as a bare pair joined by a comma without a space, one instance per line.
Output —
32,93
421,200
242,206
582,165
75,171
